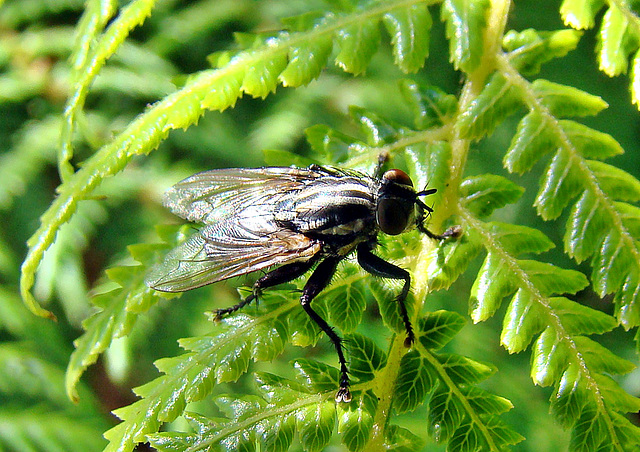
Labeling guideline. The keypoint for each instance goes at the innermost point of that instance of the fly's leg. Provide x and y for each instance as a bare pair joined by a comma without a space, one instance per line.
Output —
379,267
452,232
383,158
280,275
316,283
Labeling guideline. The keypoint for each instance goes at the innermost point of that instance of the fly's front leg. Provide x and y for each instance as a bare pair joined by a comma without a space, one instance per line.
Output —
452,232
379,267
280,275
383,158
316,283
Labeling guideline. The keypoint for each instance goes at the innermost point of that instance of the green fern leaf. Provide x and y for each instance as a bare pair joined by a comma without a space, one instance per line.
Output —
485,403
402,440
355,421
431,107
315,425
560,183
617,183
517,240
521,322
549,358
192,376
580,14
261,78
619,399
532,141
445,413
465,21
358,43
436,329
614,40
530,49
385,296
600,359
332,145
318,376
409,29
626,299
497,100
376,130
483,194
589,142
306,62
90,56
365,357
430,166
347,298
635,79
465,371
501,434
413,383
451,259
563,101
494,282
550,279
119,307
578,319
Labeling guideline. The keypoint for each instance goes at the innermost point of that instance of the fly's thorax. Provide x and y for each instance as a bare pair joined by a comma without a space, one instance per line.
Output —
331,208
395,203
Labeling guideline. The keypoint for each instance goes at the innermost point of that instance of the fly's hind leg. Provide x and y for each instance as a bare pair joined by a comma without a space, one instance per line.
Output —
316,283
280,275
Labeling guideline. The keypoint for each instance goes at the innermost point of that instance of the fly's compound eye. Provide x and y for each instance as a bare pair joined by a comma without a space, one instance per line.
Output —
395,210
397,176
393,216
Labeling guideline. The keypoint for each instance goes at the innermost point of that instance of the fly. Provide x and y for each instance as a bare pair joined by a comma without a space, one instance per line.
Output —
290,220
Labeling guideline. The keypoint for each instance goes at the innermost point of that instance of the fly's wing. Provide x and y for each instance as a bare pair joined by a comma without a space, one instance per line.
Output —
214,195
240,236
207,257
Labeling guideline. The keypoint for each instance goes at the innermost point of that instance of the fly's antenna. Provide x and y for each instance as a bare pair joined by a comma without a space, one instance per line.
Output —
420,203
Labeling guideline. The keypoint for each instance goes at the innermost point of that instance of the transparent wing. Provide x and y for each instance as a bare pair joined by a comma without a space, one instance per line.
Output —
218,252
215,195
241,234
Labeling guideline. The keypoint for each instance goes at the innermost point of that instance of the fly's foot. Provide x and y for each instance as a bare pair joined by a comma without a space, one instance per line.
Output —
343,394
409,340
453,232
220,313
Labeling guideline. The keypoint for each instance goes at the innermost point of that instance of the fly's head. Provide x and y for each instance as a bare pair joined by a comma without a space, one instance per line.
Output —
397,201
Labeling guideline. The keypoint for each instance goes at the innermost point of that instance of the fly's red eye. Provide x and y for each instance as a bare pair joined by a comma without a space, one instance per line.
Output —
398,176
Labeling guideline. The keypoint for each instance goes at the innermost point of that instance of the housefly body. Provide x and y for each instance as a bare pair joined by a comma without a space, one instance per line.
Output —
290,220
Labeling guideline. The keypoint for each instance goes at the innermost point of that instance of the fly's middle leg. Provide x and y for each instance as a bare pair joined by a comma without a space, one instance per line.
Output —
316,283
280,275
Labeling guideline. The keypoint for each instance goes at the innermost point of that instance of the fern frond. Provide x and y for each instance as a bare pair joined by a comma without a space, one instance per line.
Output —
119,307
209,360
574,364
617,39
595,228
89,58
31,151
285,406
466,22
